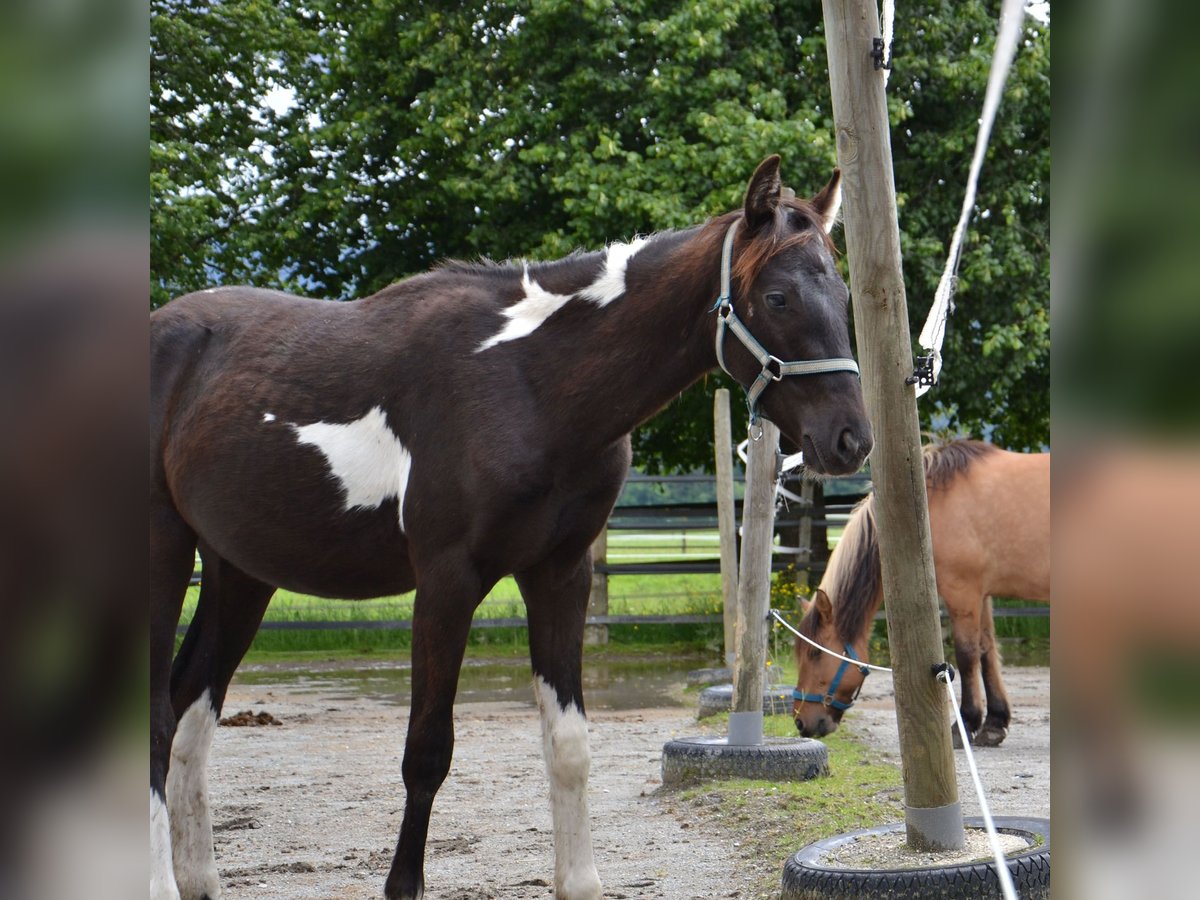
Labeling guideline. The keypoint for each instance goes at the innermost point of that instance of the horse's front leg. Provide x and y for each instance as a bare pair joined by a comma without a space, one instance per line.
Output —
964,623
995,726
556,596
448,592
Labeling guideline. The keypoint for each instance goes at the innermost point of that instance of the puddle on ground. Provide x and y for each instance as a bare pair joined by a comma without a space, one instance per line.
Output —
607,684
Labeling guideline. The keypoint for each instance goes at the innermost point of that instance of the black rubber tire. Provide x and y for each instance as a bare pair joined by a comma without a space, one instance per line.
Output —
777,701
691,759
806,877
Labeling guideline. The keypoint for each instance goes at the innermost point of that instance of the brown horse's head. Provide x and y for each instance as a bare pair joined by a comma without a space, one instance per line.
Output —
825,685
788,293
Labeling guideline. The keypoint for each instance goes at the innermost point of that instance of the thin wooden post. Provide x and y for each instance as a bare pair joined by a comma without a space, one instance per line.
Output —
933,816
598,600
804,538
726,518
754,588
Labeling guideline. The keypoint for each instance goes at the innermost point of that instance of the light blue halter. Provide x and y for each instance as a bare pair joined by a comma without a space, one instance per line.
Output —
828,698
773,368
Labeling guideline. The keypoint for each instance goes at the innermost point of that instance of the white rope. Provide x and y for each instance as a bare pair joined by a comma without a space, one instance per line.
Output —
856,662
1006,884
887,26
1012,16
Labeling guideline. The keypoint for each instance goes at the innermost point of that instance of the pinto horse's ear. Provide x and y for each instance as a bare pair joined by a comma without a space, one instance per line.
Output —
762,196
805,606
828,203
823,605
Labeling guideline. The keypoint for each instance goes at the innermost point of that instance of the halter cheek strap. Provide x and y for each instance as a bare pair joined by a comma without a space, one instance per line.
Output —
773,368
828,699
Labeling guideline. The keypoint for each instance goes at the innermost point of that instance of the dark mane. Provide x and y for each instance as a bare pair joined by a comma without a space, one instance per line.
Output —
945,462
855,577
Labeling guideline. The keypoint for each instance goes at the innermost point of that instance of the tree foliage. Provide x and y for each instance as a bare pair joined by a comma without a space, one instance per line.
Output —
425,131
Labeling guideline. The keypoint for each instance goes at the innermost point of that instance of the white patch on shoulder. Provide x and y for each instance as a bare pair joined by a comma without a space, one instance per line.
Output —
568,758
162,876
526,314
366,456
187,799
268,417
610,283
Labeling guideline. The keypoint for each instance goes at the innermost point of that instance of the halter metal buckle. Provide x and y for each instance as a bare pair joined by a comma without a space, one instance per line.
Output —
767,368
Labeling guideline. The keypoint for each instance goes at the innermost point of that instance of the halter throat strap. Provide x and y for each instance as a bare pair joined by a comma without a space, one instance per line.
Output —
828,698
773,368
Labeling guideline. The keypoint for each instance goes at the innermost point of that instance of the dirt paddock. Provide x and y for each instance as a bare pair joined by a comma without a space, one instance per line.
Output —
311,808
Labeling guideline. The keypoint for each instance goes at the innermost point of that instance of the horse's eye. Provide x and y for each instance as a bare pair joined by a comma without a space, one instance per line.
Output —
776,300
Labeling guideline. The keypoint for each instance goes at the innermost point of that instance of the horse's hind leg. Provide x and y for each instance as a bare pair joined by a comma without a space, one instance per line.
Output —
995,726
172,557
448,592
227,616
556,596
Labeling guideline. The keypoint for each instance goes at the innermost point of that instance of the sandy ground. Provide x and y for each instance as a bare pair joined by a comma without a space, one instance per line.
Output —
311,808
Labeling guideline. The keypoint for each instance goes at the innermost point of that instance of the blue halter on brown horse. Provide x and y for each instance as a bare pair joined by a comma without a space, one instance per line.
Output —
989,517
454,428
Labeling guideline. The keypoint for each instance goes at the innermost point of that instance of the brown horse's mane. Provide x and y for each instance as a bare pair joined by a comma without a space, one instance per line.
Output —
945,462
854,578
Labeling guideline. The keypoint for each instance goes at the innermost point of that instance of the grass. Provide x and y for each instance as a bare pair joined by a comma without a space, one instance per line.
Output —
768,821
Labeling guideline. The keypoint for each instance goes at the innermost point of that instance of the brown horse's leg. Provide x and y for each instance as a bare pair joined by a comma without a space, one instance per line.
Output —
228,614
172,557
964,622
448,592
995,726
556,597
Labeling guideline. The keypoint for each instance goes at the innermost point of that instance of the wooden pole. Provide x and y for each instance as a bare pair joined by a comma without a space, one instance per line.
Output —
598,601
754,588
726,518
932,813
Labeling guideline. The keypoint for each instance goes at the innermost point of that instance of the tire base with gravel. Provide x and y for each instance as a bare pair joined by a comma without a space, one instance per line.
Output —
807,877
777,701
691,759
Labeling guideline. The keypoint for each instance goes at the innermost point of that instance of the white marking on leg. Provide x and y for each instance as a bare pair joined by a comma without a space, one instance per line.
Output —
187,800
162,875
568,758
367,458
526,314
610,283
268,417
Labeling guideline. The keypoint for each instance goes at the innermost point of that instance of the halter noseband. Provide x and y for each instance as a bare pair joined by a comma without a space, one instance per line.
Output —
773,368
827,698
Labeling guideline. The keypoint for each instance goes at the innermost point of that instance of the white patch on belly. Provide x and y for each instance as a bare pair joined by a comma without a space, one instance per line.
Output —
610,283
187,799
568,758
366,456
526,314
162,876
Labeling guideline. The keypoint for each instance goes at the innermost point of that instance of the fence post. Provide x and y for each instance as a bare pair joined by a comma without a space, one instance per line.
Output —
726,518
598,600
933,816
804,538
754,588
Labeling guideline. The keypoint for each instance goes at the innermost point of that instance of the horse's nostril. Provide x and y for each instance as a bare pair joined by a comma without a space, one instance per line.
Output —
848,442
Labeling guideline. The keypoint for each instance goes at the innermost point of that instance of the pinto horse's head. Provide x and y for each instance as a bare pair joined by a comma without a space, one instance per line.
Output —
788,294
825,686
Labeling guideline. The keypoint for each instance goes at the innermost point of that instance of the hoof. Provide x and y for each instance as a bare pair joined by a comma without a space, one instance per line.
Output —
990,736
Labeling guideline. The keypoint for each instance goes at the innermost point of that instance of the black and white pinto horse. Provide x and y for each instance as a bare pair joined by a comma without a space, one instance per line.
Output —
459,426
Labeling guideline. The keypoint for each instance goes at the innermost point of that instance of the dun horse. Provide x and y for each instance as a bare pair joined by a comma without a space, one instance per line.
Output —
456,427
989,514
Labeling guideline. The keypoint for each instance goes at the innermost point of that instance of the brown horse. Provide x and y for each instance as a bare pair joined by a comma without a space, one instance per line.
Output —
989,515
452,429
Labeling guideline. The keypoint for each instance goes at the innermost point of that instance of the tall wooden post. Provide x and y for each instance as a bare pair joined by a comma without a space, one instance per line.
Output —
932,813
598,601
726,518
754,588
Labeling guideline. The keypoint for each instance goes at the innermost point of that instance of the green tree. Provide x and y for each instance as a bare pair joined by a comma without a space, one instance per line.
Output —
426,131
